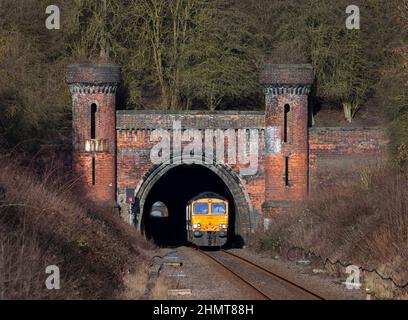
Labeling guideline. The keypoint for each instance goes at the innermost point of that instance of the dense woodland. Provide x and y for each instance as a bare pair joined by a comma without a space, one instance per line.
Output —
202,54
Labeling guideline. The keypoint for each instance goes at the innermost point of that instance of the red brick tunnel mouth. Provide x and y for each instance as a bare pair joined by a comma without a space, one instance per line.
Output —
174,189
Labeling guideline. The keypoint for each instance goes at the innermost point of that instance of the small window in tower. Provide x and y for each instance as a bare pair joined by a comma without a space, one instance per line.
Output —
286,122
93,120
93,171
287,171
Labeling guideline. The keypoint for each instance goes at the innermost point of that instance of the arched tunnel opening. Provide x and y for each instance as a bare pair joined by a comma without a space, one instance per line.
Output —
174,189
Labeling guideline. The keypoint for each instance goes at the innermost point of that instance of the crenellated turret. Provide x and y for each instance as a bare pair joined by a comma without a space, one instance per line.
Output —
93,88
286,90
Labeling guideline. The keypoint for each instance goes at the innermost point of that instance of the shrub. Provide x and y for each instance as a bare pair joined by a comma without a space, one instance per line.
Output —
364,222
45,223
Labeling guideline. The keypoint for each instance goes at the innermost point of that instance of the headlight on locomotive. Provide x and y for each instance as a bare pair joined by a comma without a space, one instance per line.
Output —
196,225
224,226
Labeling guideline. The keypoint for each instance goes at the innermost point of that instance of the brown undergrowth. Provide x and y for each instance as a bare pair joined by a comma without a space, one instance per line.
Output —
361,220
44,221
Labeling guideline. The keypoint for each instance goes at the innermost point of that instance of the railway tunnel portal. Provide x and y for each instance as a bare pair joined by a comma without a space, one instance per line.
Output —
261,161
174,185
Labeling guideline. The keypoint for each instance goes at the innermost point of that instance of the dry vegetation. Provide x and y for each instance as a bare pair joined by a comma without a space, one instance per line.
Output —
136,283
363,221
43,222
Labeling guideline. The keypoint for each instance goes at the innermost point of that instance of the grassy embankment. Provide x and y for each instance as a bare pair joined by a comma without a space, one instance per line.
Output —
43,221
361,220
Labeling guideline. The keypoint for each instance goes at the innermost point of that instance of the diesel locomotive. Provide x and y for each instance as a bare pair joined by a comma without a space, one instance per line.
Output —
207,220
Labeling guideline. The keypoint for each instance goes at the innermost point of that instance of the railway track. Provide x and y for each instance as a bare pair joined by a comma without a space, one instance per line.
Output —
264,282
246,282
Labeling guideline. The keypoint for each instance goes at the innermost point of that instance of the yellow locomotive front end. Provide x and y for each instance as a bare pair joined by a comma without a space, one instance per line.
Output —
207,220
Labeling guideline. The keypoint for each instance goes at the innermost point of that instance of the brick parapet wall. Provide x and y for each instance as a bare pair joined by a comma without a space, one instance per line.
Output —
189,119
336,153
333,142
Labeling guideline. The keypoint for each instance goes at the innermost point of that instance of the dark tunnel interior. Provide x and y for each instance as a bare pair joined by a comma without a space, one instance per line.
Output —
175,189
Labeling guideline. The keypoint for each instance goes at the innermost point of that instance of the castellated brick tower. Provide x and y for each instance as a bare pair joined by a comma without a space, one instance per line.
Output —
93,88
286,90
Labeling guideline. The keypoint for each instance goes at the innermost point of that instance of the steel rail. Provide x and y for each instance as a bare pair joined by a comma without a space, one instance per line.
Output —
271,273
234,273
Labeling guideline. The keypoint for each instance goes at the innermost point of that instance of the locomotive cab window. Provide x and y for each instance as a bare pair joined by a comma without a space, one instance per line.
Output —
218,208
200,208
